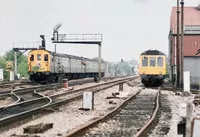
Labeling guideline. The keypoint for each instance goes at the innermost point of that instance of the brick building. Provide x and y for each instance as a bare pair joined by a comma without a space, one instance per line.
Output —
191,61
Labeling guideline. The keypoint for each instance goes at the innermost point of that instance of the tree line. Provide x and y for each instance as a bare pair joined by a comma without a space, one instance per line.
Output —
22,65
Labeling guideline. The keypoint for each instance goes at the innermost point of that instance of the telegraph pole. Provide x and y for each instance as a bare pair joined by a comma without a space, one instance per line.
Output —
177,46
182,35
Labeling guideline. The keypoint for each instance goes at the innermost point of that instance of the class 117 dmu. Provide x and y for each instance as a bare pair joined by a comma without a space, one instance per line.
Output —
152,67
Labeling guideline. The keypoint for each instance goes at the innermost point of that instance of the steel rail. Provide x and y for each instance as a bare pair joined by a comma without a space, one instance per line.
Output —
15,117
12,118
94,86
146,127
82,129
31,89
15,91
35,91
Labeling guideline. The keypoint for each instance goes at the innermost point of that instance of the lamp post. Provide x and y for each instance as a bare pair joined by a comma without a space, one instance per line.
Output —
182,35
198,52
177,46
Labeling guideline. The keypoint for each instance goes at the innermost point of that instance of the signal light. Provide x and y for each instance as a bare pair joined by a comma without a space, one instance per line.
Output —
43,41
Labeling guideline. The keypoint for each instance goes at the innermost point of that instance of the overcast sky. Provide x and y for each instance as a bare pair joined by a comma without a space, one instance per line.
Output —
129,27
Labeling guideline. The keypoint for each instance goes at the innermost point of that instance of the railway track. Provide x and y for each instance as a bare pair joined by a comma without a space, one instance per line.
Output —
19,108
163,126
8,86
132,118
26,104
27,108
25,94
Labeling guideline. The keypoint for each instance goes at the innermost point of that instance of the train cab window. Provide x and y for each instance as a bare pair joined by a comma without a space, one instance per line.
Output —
145,61
38,56
152,61
160,61
32,57
46,57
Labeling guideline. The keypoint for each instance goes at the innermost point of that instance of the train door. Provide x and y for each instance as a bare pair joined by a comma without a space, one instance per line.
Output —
83,66
69,64
31,58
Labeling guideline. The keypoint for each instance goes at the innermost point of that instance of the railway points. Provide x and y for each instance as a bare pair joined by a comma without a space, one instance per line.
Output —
27,105
43,92
125,120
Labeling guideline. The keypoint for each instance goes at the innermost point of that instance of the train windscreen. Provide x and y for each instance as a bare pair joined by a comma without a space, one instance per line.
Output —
152,61
145,61
160,61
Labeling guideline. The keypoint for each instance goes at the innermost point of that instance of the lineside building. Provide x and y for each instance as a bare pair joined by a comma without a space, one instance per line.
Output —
191,40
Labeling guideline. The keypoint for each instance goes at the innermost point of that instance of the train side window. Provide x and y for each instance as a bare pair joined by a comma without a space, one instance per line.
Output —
46,57
38,56
152,61
145,61
32,57
160,61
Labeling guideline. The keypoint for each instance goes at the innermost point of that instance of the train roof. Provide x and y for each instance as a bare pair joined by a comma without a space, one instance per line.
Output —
69,56
152,52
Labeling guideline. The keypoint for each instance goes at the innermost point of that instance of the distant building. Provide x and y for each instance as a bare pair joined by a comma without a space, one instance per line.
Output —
191,61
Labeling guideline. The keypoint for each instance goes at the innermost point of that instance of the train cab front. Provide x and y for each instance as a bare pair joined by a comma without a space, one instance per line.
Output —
38,65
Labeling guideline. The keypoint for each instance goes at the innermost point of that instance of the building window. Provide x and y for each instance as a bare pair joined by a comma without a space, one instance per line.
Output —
38,56
152,61
32,57
46,57
145,61
160,61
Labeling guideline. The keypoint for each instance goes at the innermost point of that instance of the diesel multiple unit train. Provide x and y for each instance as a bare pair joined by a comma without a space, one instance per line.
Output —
152,67
46,66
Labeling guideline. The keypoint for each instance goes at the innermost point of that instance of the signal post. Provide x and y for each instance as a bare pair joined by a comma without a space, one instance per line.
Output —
79,39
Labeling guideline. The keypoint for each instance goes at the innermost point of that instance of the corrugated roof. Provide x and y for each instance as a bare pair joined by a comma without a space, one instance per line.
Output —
191,18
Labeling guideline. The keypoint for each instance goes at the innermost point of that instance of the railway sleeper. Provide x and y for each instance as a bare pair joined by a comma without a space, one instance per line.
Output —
40,128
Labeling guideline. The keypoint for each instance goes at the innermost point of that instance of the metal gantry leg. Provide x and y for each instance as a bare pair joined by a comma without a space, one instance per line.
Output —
15,73
99,63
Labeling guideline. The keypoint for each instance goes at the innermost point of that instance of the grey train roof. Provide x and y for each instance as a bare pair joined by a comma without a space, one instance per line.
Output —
152,52
72,56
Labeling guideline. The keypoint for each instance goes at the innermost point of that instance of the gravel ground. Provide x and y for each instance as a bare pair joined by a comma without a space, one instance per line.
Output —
16,87
178,110
69,117
6,101
126,123
63,90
